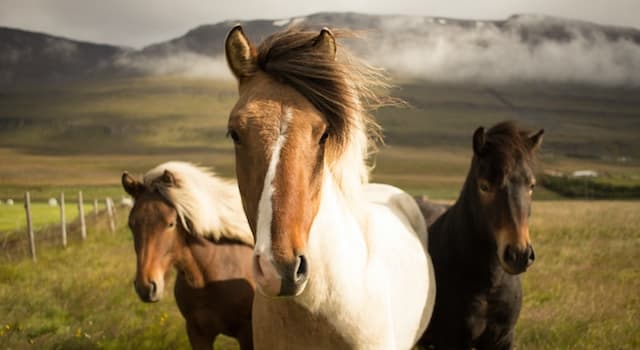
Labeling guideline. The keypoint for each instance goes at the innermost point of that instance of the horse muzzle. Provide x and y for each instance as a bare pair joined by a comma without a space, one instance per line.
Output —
516,260
280,279
149,292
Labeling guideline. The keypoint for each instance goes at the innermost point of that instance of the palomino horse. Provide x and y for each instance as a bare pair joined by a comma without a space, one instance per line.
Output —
481,244
338,263
185,217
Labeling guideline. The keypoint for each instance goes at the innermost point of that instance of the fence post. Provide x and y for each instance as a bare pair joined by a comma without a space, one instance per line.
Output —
112,226
83,228
95,208
63,220
114,212
32,243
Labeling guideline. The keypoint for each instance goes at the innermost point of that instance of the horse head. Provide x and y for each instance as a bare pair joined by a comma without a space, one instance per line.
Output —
157,235
502,182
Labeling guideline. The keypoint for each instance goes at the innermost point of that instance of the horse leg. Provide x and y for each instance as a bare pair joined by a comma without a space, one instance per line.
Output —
245,337
198,340
504,342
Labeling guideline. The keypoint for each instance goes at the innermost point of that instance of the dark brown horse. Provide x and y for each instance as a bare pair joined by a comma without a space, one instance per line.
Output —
186,218
481,244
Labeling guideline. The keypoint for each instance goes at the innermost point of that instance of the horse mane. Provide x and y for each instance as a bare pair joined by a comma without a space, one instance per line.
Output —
507,144
207,205
343,89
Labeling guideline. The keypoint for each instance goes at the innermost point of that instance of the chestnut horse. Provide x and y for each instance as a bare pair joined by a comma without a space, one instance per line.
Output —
339,263
185,217
481,244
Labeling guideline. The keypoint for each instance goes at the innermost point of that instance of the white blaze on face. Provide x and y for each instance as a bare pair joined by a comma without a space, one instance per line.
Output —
265,206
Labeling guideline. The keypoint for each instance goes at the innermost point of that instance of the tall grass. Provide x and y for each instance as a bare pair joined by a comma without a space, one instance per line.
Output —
583,292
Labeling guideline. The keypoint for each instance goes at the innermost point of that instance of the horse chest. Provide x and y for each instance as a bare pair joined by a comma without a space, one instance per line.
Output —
283,324
493,312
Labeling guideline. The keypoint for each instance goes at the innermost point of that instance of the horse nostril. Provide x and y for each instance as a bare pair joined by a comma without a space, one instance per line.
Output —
152,289
532,255
510,255
301,269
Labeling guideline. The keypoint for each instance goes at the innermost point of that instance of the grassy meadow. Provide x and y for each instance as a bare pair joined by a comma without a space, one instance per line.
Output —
582,292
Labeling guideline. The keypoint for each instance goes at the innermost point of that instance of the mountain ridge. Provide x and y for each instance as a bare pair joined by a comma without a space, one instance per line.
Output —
464,50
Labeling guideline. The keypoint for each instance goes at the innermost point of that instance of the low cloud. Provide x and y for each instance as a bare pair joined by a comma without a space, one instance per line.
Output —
521,49
486,53
187,64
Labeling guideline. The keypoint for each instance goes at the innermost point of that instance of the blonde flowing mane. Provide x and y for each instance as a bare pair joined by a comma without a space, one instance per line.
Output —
343,88
207,205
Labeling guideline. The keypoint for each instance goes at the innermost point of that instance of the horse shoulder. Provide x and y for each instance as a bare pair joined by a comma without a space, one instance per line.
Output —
396,222
402,204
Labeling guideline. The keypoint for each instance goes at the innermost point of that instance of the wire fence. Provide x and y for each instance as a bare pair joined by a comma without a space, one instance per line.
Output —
26,241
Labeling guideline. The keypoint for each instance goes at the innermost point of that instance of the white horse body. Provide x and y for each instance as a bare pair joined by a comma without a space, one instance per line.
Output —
373,280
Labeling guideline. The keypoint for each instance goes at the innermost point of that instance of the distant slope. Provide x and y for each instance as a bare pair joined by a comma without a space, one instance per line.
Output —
29,57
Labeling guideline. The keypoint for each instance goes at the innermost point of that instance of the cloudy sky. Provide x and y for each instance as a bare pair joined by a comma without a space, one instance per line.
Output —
138,23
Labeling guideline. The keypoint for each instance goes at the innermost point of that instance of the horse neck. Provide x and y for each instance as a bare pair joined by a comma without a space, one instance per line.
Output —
194,259
336,244
467,229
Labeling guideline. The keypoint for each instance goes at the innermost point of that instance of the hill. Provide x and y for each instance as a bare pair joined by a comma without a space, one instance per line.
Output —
520,48
123,109
35,58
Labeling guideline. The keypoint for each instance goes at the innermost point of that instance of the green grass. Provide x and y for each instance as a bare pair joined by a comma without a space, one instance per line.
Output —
581,293
81,297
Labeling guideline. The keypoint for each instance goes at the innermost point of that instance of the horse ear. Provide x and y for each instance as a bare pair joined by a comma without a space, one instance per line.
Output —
241,56
479,139
169,179
131,186
326,43
535,140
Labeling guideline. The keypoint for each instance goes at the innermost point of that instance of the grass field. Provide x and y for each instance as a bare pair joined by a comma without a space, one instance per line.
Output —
582,292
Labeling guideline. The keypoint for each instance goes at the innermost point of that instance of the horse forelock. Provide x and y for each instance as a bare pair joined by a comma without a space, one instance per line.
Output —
508,146
206,205
342,88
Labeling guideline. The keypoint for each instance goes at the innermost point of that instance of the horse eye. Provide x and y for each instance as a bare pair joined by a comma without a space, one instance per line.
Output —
532,186
484,187
324,137
234,136
171,224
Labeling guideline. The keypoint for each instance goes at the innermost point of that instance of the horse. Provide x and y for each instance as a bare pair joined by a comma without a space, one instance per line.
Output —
183,216
431,210
339,263
481,244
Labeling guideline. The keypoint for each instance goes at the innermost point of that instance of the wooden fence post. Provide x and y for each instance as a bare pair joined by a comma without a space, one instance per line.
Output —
63,220
83,228
32,243
95,208
112,226
114,212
